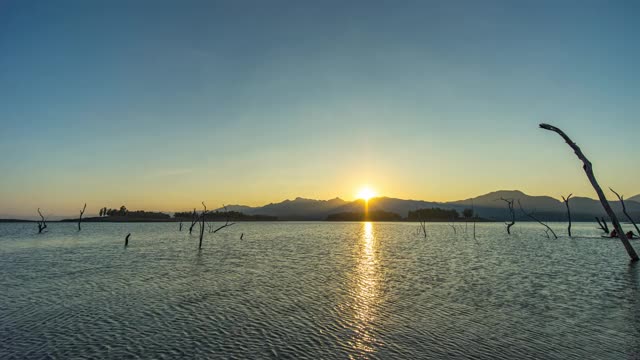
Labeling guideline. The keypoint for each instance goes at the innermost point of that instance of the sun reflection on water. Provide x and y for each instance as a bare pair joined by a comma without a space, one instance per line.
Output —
366,291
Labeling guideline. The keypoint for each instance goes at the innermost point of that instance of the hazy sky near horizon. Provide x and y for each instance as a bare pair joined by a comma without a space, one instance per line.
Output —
162,104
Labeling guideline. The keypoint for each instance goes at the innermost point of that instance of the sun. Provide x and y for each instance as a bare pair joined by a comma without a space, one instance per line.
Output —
365,193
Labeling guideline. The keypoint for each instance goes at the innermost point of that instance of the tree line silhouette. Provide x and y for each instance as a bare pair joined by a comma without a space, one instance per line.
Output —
224,215
432,214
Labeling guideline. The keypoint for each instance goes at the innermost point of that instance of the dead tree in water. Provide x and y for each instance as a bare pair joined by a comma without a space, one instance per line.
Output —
603,225
423,227
42,223
566,203
194,220
227,223
512,212
80,218
202,219
475,216
451,223
202,216
423,224
624,210
588,169
531,216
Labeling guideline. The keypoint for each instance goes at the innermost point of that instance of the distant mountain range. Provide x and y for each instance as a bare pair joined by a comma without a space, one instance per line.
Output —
489,206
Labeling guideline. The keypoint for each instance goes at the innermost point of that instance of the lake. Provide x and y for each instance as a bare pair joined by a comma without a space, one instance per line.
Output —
316,290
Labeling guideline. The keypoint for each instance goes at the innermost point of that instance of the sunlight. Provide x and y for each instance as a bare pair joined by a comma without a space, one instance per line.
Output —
365,193
366,292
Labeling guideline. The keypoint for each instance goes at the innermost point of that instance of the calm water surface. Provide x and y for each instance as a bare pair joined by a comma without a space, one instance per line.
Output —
316,290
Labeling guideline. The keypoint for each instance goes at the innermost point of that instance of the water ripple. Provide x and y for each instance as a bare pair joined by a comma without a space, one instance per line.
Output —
315,290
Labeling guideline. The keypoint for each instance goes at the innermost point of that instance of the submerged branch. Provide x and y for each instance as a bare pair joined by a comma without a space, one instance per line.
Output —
80,218
512,212
624,210
227,223
42,223
566,203
531,216
202,219
603,225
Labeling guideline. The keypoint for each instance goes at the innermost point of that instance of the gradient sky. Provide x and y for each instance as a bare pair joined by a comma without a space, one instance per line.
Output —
162,104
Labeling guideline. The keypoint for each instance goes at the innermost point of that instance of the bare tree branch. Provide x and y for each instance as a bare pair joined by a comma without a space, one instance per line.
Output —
42,223
202,217
455,232
566,203
624,210
530,215
222,227
423,223
227,222
588,169
473,210
512,212
80,218
194,220
603,225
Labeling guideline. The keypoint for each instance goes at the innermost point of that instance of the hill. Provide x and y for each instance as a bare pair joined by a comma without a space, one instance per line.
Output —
635,198
488,206
582,209
297,209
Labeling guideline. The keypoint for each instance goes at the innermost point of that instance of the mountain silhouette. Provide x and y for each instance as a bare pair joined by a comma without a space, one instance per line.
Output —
489,206
297,209
635,198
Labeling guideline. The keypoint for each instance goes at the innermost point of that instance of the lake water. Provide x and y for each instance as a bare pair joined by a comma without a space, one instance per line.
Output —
316,290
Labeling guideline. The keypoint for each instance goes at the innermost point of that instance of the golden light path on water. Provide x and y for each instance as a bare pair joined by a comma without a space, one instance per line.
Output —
366,291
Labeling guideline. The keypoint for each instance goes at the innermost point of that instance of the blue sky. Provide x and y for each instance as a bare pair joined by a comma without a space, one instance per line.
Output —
163,104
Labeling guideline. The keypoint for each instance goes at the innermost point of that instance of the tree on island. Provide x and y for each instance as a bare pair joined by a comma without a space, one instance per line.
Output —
433,214
376,215
134,214
223,216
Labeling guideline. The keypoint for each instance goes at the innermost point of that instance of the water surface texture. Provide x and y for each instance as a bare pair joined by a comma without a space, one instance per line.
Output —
316,290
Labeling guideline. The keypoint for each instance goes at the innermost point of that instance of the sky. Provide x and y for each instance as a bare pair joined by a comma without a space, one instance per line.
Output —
160,105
